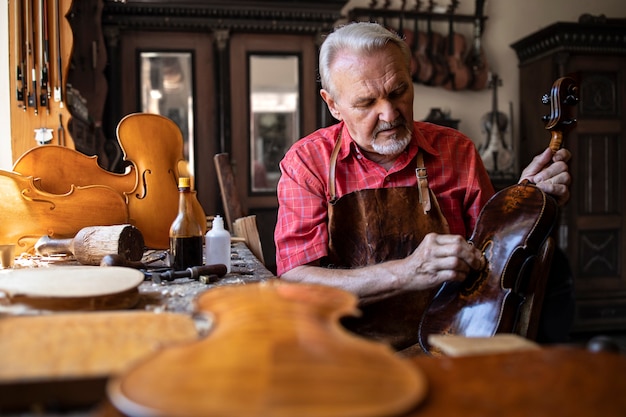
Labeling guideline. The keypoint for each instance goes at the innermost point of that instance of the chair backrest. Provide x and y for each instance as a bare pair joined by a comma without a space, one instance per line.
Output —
238,223
246,228
228,188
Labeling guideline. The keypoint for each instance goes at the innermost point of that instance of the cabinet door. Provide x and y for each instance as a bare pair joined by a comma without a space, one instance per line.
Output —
274,103
195,113
597,239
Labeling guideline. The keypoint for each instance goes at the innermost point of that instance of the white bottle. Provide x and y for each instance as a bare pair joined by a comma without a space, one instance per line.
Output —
217,244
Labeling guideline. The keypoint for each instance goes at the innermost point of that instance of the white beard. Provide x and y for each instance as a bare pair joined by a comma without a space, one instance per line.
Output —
391,147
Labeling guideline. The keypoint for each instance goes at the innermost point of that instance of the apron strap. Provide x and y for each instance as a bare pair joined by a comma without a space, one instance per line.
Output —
420,173
422,182
333,166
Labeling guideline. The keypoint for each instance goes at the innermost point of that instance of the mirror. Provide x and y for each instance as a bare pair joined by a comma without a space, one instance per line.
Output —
274,115
166,80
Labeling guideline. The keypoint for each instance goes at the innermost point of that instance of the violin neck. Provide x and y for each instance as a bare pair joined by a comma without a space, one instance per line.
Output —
494,100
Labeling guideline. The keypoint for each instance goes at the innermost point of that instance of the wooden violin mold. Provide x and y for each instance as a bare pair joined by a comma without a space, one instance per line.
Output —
152,145
27,213
276,349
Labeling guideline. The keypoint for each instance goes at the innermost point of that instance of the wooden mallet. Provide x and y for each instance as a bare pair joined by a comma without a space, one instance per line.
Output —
93,243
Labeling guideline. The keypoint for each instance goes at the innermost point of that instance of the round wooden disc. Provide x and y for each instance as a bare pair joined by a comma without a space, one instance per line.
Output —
72,287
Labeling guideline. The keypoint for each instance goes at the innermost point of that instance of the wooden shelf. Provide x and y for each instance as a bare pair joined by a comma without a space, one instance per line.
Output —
359,12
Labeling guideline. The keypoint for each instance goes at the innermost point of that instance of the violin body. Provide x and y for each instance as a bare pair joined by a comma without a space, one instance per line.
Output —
513,231
495,153
27,212
425,68
59,168
436,56
153,146
459,74
409,39
275,349
477,62
477,59
490,301
421,67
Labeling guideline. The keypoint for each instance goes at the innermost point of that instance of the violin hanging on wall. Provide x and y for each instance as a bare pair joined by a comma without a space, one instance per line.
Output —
514,232
495,153
421,68
435,52
476,59
459,75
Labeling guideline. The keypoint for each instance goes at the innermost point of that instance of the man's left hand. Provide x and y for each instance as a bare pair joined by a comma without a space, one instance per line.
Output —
550,173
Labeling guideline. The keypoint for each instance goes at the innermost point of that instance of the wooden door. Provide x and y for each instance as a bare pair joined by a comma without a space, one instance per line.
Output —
203,144
247,124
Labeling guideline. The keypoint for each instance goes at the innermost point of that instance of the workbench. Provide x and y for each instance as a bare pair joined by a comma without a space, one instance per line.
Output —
172,303
543,381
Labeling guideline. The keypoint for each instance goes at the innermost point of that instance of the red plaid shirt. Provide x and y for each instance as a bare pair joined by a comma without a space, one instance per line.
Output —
455,174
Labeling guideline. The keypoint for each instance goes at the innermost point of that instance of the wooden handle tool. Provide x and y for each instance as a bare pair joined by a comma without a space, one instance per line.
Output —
91,244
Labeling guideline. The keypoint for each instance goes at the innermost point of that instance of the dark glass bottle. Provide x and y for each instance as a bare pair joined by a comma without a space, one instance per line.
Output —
186,237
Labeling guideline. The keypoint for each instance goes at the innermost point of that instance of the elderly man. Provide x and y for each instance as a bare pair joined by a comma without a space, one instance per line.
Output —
379,204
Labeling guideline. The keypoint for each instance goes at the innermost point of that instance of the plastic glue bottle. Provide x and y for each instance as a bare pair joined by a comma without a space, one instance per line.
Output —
217,244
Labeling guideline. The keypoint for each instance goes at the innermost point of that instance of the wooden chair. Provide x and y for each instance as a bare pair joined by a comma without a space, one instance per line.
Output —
240,224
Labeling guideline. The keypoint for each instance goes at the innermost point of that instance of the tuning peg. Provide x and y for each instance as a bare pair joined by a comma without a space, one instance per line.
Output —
545,99
571,100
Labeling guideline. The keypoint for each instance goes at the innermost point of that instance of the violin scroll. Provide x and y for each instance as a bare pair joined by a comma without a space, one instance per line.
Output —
562,100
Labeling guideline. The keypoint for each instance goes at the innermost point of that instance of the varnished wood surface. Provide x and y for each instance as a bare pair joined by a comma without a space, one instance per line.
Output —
548,382
27,213
63,351
275,349
553,381
72,355
59,168
76,395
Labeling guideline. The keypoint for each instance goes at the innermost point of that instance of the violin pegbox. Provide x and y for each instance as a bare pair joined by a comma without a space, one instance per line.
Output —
562,99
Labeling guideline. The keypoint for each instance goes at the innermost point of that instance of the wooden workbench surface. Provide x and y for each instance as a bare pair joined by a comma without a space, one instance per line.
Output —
62,357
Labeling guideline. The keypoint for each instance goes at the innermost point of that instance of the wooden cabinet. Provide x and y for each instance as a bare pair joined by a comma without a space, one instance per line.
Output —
593,225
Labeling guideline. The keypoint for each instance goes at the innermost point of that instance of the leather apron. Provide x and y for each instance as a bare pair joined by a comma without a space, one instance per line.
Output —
371,226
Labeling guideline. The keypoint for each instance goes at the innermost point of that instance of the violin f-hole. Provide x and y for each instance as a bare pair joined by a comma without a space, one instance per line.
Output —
144,182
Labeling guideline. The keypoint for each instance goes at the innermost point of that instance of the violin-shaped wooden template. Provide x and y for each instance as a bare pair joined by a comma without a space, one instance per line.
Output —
275,349
27,212
148,191
514,232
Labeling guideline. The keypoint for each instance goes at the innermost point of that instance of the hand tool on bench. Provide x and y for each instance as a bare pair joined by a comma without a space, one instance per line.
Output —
92,243
159,275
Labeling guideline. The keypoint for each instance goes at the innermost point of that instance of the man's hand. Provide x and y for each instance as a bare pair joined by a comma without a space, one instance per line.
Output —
440,258
550,173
